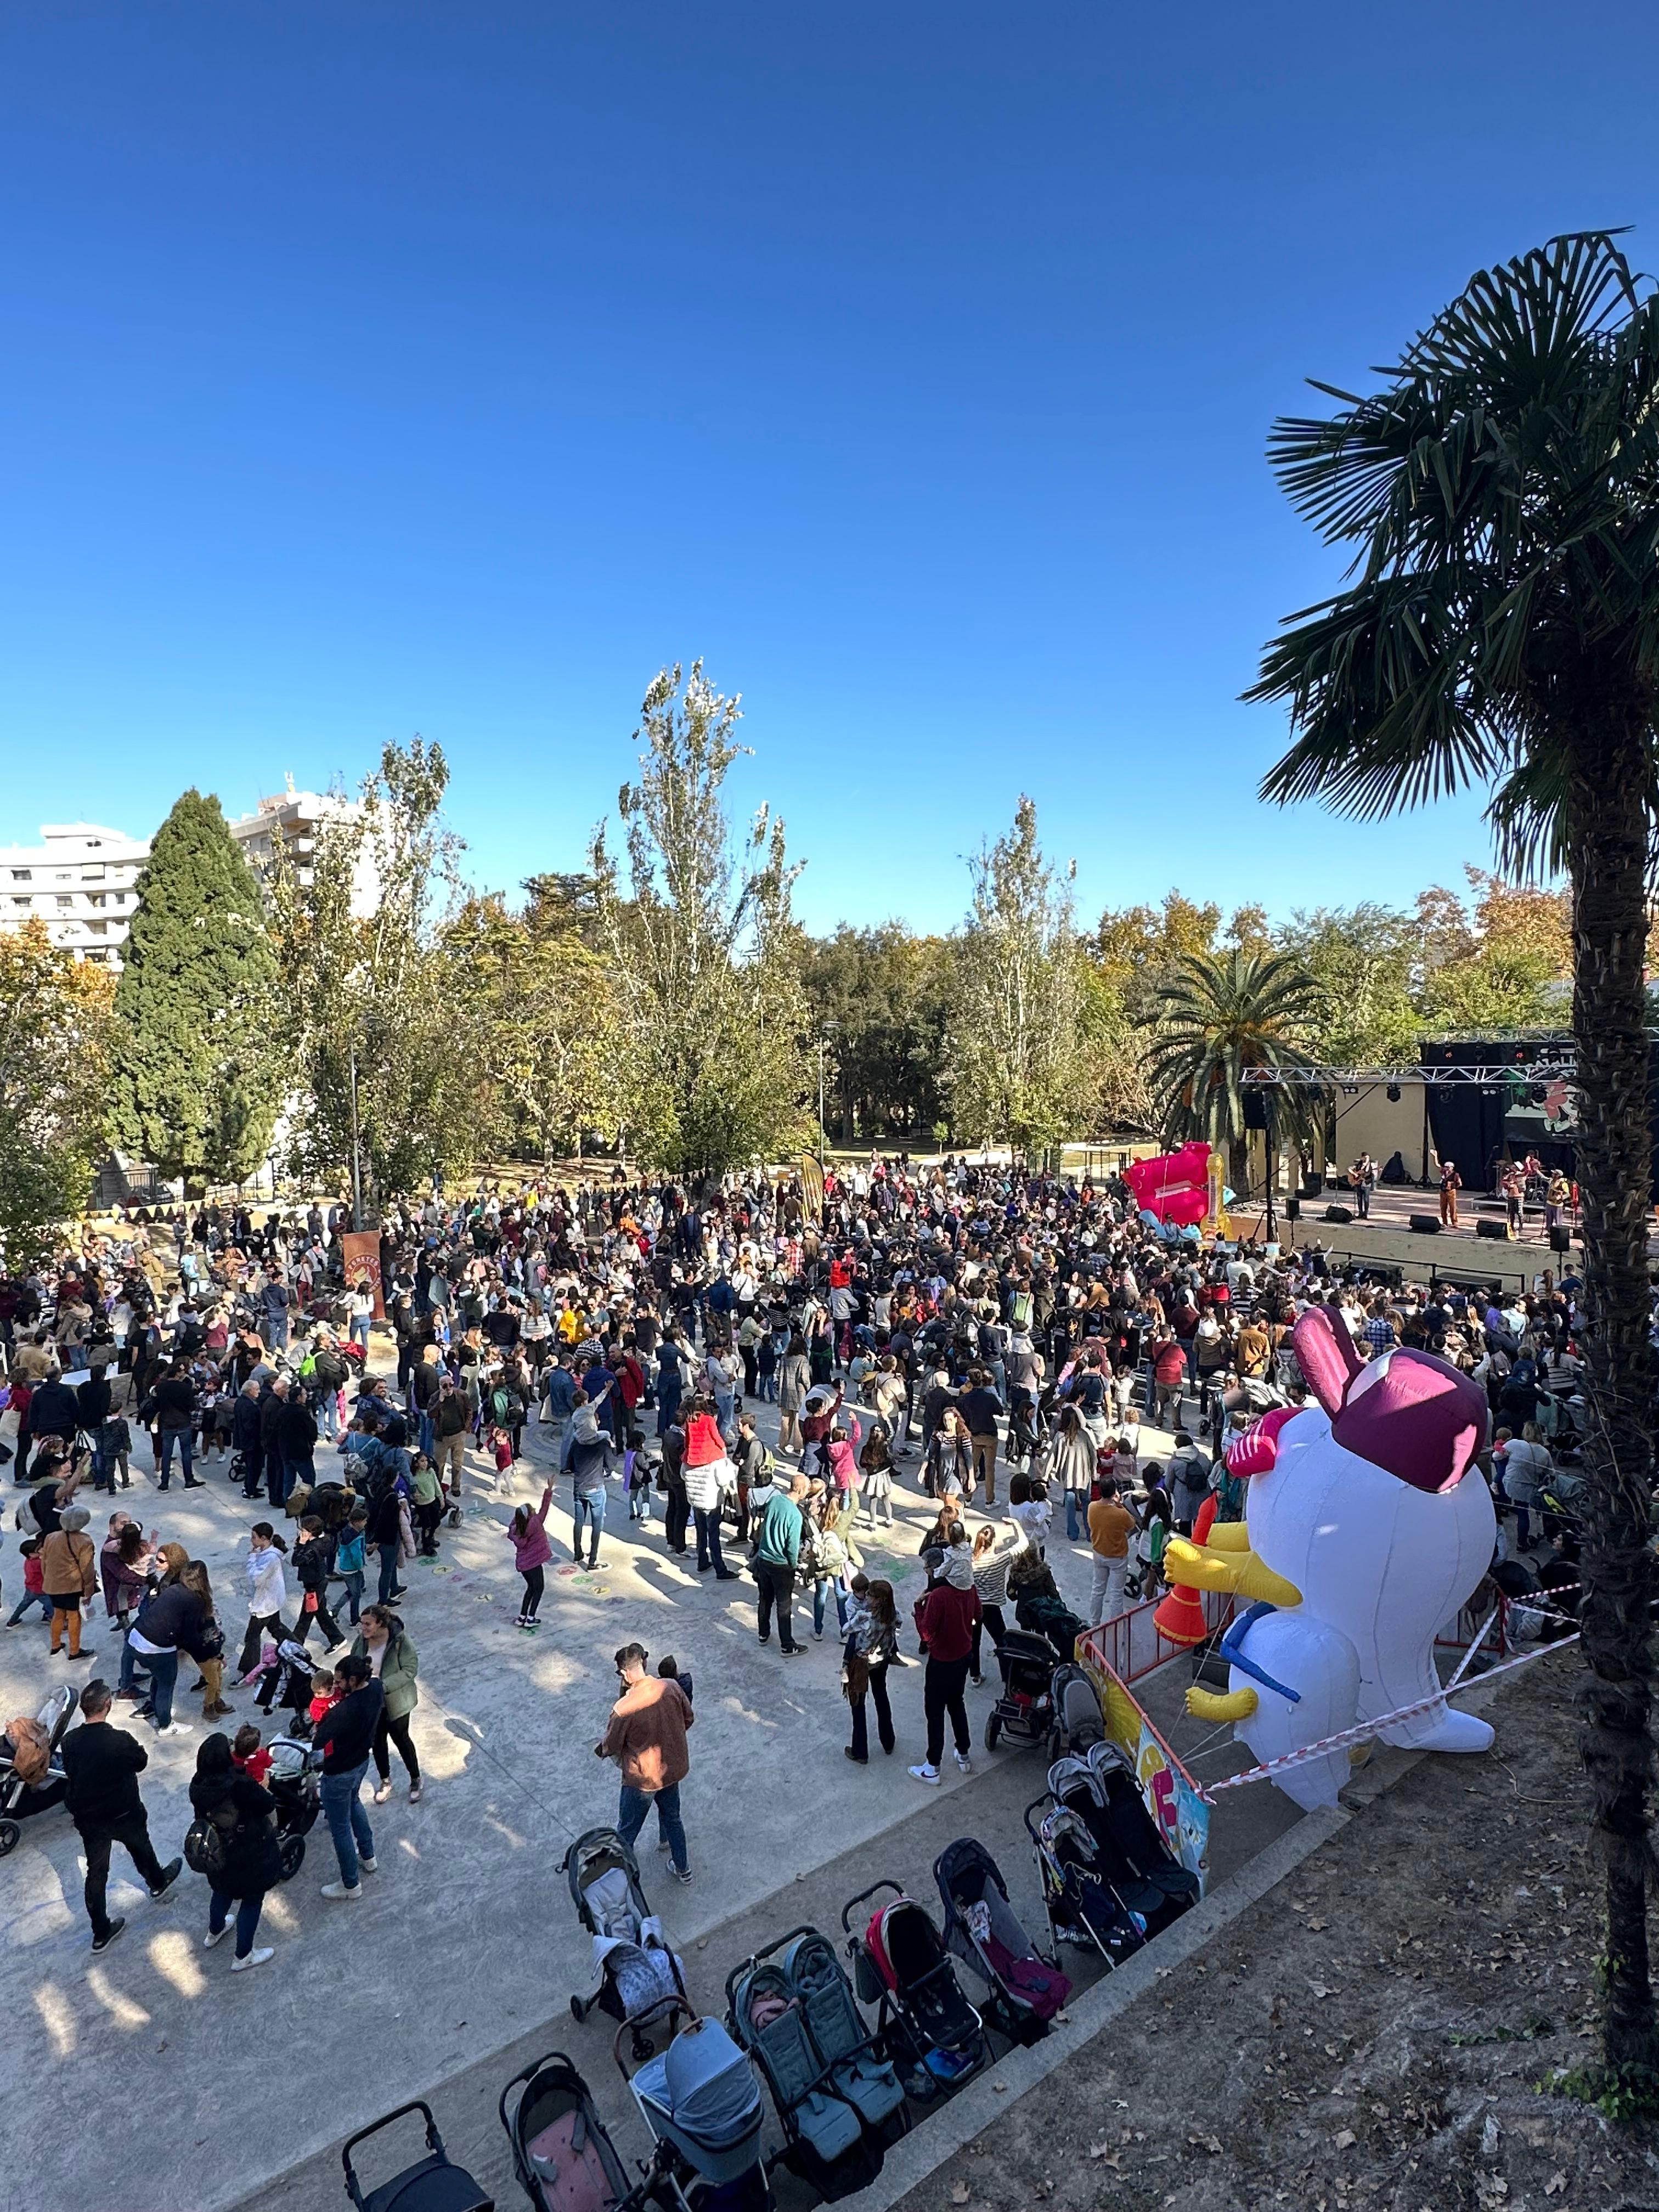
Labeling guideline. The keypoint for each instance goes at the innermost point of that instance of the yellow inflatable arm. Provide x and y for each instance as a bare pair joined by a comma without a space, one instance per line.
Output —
1220,1704
1238,1574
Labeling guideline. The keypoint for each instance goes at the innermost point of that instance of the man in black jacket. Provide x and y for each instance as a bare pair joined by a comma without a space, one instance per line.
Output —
272,1407
296,1433
103,1764
246,1444
52,1412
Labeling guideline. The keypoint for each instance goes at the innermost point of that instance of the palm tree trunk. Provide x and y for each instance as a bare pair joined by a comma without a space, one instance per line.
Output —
1608,852
1238,1168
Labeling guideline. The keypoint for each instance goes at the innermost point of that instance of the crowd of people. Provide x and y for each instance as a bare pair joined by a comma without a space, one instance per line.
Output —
1027,1356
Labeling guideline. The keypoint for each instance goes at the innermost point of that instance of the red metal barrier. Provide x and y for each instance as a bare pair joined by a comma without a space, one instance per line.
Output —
1132,1644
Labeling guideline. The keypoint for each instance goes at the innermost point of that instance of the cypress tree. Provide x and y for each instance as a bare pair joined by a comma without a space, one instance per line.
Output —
196,1081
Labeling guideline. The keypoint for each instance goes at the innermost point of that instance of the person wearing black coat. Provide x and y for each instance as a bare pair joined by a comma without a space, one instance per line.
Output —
271,1408
246,1444
244,1816
296,1435
103,1764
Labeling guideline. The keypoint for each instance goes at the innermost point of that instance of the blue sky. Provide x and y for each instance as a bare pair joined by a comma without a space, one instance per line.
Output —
399,366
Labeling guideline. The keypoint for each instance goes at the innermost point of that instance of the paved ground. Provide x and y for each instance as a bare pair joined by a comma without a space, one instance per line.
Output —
466,1943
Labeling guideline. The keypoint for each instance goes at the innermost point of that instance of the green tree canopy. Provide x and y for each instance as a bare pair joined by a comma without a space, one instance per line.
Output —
55,1035
195,1083
1223,1016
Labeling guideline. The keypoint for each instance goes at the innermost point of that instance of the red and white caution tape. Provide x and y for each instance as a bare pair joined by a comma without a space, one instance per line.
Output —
1367,1729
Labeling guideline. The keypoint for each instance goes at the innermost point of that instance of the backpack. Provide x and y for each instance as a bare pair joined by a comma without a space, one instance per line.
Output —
507,1407
207,1845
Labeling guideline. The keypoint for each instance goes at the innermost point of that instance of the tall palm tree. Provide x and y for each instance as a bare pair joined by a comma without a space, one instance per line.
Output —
1500,626
1219,1015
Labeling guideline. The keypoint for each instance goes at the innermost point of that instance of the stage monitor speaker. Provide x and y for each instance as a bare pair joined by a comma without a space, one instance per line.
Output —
1425,1224
1560,1237
1498,1229
1293,1211
1339,1214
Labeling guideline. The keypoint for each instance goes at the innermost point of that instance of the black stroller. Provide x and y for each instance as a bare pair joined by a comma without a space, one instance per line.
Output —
983,1930
1078,1721
433,2183
636,1967
19,1800
1135,1859
1024,1711
1082,1906
901,1965
292,1783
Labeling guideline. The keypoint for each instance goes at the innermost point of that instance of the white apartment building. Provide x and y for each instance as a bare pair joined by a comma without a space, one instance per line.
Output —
80,879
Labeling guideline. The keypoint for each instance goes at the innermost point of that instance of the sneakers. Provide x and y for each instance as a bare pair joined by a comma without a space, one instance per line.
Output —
215,1935
258,1958
663,1845
859,1758
337,1891
927,1774
367,1866
170,1874
415,1788
965,1765
383,1792
103,1942
681,1874
792,1650
174,1728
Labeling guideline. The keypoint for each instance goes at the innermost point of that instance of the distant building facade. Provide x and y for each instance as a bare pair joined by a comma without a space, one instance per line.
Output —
81,880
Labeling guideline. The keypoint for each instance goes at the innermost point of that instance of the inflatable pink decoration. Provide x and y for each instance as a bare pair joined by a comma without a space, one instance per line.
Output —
1174,1186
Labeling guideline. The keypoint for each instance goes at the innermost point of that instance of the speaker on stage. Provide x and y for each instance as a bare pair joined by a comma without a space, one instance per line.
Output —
1339,1214
1560,1237
1293,1212
1498,1229
1425,1224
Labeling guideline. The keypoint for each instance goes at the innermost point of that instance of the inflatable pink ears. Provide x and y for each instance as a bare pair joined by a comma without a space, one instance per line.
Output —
1405,1410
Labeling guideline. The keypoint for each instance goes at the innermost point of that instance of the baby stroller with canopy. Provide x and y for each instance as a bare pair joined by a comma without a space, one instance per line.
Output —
703,2107
433,2183
26,1785
1082,1906
1135,1862
1025,1709
1078,1723
794,2013
900,1965
983,1930
562,2157
636,1967
292,1783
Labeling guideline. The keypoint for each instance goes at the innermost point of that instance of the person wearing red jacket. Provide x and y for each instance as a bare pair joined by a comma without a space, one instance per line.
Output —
946,1618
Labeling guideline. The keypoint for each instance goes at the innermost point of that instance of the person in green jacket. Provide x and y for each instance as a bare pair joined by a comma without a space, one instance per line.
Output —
777,1553
390,1650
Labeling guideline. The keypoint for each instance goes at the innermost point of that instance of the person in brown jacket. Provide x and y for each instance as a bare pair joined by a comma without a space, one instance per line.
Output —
69,1573
646,1737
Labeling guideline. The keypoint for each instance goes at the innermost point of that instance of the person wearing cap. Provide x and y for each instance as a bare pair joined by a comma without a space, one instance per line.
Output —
69,1571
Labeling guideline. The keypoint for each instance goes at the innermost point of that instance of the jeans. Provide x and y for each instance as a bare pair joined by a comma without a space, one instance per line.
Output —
1076,1502
883,1716
587,1513
777,1587
297,1471
361,1325
186,1444
708,1539
162,1668
388,1571
820,1589
428,1435
132,1830
29,1598
348,1823
354,1591
103,1467
636,1803
942,1686
247,1916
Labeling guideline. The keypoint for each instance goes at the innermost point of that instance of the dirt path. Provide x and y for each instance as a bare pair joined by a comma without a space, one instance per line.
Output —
1370,2033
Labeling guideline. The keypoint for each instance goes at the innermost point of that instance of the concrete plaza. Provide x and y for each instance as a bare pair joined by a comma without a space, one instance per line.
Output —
466,1944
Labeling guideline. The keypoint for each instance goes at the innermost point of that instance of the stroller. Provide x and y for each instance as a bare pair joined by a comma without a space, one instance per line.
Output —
1134,1861
1078,1725
1025,1709
836,2099
284,1678
702,2105
433,2183
564,2160
19,1800
292,1783
1082,1906
901,1965
636,1967
983,1930
1044,1614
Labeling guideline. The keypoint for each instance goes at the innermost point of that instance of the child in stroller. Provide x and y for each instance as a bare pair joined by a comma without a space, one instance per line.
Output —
635,1967
32,1778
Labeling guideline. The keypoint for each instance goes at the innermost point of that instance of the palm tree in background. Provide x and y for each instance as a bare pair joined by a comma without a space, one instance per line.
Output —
1500,626
1219,1015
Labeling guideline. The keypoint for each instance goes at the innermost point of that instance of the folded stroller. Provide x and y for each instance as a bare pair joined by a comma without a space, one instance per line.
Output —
1135,1859
19,1800
1025,1709
1082,1906
703,2107
901,1965
1078,1723
562,2157
636,1969
983,1930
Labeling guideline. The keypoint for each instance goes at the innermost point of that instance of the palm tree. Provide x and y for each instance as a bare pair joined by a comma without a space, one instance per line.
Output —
1219,1015
1500,626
